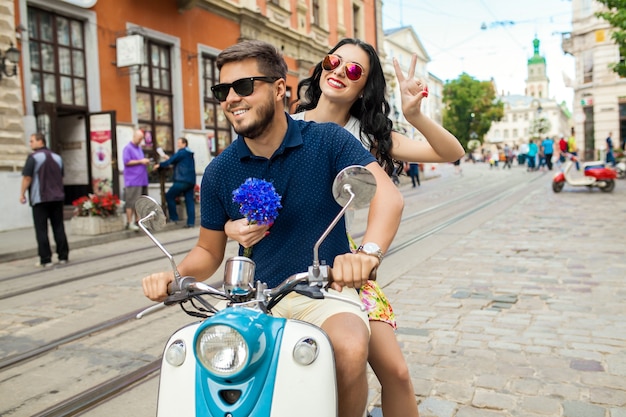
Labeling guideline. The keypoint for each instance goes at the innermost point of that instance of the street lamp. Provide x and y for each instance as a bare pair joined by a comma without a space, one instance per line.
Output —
12,54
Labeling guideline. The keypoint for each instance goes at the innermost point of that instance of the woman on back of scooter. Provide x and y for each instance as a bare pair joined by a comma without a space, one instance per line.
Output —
348,88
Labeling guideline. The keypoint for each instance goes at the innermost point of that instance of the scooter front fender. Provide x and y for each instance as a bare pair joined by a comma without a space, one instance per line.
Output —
559,177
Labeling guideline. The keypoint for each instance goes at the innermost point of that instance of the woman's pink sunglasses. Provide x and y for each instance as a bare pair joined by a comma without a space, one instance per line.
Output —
353,70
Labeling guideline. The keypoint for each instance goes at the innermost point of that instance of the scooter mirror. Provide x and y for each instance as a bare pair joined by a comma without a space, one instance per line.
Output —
357,179
150,213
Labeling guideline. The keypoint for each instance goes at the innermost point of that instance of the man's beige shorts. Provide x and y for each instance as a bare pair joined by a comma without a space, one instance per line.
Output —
299,307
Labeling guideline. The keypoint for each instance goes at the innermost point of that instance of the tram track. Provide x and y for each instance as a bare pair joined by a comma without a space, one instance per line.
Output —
142,260
91,397
42,272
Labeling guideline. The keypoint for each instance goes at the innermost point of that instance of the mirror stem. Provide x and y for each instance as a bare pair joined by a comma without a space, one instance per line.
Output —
316,261
158,244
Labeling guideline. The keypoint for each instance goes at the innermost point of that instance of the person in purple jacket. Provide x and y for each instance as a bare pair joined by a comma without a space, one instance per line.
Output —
135,176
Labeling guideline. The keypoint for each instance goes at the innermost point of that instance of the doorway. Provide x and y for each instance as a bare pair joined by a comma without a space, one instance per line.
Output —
87,144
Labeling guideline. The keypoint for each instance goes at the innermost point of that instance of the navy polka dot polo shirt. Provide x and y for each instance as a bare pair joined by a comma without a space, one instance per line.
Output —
302,170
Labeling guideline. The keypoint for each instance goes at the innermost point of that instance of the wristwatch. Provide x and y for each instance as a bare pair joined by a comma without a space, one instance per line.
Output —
371,249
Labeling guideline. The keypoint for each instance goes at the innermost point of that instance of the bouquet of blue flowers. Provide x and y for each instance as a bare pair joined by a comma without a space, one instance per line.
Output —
258,202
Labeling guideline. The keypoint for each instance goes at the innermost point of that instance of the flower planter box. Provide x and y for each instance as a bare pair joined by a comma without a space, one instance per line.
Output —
96,225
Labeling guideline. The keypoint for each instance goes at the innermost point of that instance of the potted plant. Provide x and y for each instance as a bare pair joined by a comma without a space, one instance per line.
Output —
96,214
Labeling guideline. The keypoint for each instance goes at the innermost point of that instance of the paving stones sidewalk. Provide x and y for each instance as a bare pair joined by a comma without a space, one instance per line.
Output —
524,316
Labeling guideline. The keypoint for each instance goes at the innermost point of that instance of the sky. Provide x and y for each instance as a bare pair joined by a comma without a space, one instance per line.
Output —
451,33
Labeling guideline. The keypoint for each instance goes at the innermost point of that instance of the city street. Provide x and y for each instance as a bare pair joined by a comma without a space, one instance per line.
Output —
510,301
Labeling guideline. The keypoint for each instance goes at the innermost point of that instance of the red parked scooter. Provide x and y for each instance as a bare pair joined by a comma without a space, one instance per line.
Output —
596,174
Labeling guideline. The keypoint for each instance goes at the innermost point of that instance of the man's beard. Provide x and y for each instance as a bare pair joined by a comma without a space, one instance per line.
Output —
266,114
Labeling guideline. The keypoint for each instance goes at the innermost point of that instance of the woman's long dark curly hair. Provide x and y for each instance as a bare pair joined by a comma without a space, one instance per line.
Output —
372,108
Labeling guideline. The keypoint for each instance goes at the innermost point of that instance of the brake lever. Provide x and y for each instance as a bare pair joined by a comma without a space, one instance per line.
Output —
151,309
330,296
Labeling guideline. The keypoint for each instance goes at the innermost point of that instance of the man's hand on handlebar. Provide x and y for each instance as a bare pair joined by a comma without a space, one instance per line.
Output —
247,235
352,270
155,285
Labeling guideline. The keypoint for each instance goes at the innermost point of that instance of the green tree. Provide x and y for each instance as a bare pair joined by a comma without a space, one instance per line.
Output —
470,108
615,15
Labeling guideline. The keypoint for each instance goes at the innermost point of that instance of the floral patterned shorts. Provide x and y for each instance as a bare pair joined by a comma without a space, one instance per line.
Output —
376,303
374,299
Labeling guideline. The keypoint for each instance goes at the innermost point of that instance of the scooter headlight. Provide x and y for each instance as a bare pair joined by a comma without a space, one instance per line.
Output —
222,350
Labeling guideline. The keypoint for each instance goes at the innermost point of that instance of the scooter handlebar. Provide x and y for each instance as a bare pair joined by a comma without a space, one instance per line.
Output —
186,288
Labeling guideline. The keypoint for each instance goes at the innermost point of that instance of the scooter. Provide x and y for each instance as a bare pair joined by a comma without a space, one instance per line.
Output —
596,174
239,360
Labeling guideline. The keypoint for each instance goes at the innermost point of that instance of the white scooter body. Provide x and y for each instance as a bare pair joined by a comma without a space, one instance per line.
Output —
293,389
240,361
578,180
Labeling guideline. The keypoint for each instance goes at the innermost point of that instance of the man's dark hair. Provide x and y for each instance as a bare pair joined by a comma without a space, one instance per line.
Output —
184,140
269,59
40,137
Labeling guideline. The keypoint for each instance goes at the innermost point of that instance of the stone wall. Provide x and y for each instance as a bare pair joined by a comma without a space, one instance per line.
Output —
13,149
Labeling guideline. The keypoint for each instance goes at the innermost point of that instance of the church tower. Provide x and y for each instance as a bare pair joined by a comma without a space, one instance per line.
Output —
537,81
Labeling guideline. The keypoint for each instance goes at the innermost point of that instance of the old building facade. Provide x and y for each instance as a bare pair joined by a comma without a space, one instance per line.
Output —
13,148
93,71
599,93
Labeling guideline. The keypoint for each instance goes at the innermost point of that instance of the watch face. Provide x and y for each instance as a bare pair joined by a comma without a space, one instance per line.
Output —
371,247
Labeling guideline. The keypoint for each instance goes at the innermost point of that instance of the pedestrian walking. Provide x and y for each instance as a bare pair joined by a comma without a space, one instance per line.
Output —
508,156
562,150
184,181
414,173
42,176
532,155
522,155
135,177
572,148
547,146
610,156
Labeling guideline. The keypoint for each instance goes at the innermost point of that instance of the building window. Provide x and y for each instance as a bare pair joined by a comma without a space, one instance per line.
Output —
589,132
514,133
154,98
586,8
587,66
506,133
622,125
356,21
57,59
219,130
315,12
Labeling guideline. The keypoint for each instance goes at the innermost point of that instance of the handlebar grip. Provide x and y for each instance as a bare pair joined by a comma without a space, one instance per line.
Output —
372,276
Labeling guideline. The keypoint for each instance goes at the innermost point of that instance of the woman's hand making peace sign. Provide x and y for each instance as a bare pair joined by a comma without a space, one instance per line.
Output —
412,90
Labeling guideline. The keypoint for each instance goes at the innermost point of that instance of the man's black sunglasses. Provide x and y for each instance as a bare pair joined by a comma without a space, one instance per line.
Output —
243,87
